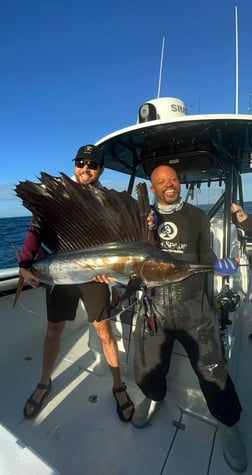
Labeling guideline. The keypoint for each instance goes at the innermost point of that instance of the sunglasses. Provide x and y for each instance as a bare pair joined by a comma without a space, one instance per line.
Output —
91,165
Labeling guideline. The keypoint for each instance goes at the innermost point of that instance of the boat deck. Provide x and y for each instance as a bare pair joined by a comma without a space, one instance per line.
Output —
78,431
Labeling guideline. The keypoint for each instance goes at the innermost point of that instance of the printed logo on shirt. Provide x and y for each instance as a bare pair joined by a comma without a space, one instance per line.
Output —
167,231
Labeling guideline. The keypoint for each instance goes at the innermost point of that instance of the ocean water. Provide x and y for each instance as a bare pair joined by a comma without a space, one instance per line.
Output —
13,231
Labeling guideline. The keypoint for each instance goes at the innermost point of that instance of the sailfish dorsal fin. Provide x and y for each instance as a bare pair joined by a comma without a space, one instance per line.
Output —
74,216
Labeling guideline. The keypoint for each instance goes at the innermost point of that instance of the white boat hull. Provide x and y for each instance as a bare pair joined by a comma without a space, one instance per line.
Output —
78,430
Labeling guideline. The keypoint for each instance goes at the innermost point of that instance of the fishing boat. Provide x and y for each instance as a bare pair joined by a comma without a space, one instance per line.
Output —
77,431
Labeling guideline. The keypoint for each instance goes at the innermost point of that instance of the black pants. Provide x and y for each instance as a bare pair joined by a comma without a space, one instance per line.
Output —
152,361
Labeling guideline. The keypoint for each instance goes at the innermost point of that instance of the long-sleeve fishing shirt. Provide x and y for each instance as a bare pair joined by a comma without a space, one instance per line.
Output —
186,235
31,245
246,224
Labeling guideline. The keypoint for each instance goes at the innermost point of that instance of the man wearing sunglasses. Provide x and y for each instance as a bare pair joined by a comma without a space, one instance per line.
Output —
88,165
62,302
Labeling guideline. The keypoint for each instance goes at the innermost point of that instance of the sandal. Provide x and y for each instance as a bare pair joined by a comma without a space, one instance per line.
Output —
37,405
124,406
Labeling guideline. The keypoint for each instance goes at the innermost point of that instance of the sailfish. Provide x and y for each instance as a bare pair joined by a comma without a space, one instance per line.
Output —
92,231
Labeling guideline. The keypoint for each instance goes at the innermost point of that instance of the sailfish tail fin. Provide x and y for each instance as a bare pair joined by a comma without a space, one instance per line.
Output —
16,251
19,290
20,280
144,211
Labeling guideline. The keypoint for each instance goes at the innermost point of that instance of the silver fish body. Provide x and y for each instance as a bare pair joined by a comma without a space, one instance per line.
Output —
122,261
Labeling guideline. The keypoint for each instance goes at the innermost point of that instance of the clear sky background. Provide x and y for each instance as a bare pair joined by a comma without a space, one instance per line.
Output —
73,71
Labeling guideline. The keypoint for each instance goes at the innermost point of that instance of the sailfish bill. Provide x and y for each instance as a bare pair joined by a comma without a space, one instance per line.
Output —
122,261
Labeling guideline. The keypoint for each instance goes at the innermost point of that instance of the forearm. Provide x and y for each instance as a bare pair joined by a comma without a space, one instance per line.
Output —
241,218
30,248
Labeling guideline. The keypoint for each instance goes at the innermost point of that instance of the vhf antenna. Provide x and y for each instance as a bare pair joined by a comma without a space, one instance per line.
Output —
236,60
161,67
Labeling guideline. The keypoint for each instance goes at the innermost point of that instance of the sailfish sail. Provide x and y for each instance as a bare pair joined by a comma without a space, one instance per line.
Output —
75,216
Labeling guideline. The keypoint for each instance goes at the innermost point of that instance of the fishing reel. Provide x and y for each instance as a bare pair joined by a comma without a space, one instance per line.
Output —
226,301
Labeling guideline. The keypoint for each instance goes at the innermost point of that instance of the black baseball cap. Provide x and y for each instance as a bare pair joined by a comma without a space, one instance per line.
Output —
90,152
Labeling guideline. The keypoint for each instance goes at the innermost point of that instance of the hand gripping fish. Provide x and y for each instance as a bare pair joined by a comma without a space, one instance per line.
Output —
92,231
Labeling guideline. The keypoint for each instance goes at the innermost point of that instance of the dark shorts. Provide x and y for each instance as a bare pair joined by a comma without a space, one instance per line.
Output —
62,301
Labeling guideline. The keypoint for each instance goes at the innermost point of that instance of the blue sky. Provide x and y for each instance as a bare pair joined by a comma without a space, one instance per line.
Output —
74,71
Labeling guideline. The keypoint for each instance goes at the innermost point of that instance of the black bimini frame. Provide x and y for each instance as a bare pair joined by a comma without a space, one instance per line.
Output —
202,149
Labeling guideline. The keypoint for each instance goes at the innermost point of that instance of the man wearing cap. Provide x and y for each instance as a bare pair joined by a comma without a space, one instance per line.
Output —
62,302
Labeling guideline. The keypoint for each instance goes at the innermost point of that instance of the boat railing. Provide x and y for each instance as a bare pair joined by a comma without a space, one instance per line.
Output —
9,279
